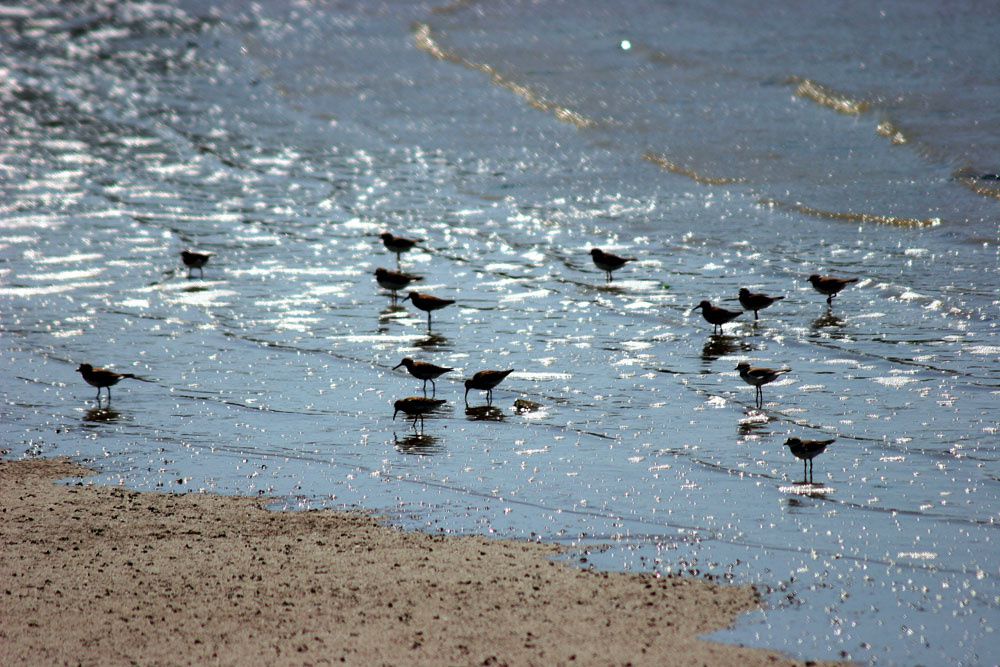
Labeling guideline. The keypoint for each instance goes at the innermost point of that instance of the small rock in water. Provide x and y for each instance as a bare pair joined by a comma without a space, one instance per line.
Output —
522,405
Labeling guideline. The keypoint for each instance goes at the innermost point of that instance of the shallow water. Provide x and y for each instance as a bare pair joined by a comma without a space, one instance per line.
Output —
715,148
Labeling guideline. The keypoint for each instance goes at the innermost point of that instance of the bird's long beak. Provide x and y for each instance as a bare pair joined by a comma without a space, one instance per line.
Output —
467,395
397,365
394,413
406,298
696,308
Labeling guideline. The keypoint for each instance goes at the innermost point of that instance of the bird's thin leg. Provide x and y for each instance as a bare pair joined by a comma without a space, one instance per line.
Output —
489,397
428,320
434,388
804,465
425,387
755,315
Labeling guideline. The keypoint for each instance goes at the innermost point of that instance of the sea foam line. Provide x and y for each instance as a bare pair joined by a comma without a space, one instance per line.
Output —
424,40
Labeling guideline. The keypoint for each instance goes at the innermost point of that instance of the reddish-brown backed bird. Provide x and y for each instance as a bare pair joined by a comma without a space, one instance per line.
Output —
715,315
485,381
830,285
398,244
607,262
807,450
758,377
756,301
195,260
427,303
394,280
416,407
101,378
424,370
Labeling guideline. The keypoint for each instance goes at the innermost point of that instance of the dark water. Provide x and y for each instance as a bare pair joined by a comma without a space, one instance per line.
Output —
722,145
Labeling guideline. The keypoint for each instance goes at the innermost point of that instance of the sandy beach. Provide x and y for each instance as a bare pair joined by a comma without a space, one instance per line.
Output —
96,575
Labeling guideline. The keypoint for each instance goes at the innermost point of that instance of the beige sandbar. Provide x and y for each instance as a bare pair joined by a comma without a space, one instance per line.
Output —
102,576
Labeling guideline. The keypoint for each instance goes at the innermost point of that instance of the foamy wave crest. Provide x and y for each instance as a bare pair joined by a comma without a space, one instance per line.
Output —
891,131
666,164
453,7
424,40
987,185
827,97
848,216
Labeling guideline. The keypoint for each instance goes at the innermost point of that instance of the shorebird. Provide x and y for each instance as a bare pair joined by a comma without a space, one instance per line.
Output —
607,262
416,407
101,378
394,280
807,450
485,381
398,244
195,260
830,285
756,301
425,371
427,303
715,315
758,377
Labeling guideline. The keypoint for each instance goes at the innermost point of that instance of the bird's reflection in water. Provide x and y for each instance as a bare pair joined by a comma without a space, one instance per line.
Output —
827,320
718,346
101,414
388,315
484,413
755,423
809,490
418,443
431,341
391,312
195,288
610,288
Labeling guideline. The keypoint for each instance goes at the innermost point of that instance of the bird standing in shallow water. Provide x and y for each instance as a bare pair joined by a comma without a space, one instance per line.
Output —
830,285
195,260
398,244
427,303
715,315
807,450
756,301
758,377
394,280
416,407
485,381
423,370
101,378
607,262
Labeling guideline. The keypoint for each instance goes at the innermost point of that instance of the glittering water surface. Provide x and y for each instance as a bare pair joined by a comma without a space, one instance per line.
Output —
723,148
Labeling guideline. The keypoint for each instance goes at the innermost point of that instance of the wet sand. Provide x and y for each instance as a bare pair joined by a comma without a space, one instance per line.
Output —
98,575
